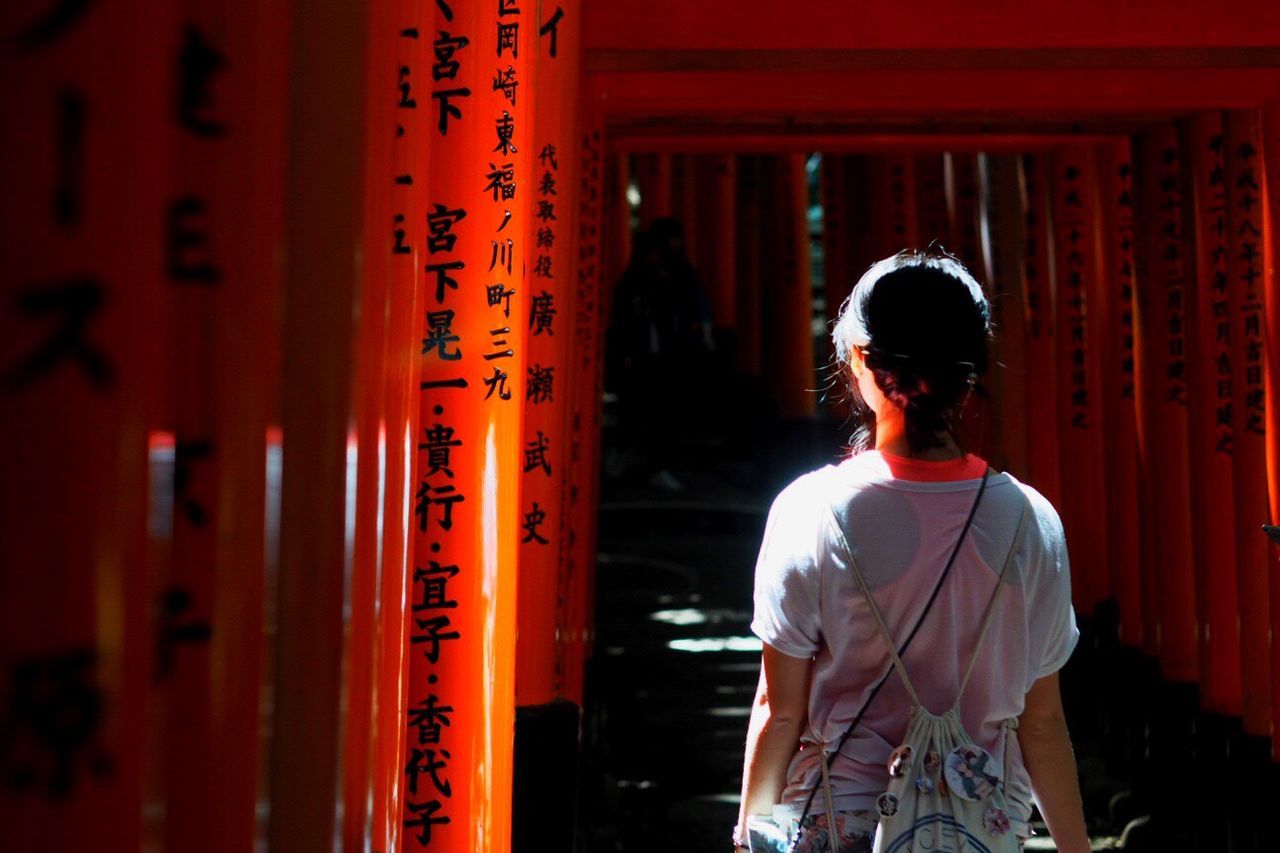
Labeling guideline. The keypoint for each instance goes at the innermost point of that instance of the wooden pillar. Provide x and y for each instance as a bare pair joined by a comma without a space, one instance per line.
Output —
1163,305
961,180
788,339
933,219
1003,211
1118,387
684,204
1080,415
749,233
616,242
1271,340
1042,373
891,196
1246,277
653,180
717,247
225,227
549,381
322,242
589,320
1209,375
82,372
480,295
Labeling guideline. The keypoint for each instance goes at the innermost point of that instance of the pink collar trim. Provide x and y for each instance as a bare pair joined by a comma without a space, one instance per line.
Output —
970,467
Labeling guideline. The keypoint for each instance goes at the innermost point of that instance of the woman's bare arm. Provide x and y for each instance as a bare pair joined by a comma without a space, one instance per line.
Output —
778,714
1046,750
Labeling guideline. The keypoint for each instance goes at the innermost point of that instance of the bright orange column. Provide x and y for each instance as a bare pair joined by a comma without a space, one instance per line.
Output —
547,470
1006,236
224,228
86,139
469,517
1209,374
413,129
1246,277
1271,337
1163,306
1080,415
1115,168
1042,395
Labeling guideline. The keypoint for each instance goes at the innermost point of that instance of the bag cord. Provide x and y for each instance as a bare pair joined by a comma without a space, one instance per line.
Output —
808,803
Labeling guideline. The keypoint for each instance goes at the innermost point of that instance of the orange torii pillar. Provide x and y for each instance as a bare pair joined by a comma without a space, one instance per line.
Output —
412,129
1163,303
587,410
552,234
1006,229
1080,415
965,213
788,340
399,127
653,181
933,221
749,233
716,226
547,718
1271,340
960,170
684,202
1247,274
617,225
323,236
1115,167
1043,470
891,196
224,229
81,370
470,516
1209,373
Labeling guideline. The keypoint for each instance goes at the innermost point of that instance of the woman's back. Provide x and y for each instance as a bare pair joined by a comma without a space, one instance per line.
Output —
901,519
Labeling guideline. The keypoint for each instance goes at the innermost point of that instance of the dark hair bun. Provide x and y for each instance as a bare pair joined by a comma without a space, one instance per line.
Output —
926,324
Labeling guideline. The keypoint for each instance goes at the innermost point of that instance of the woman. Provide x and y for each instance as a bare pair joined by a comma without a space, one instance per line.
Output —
913,338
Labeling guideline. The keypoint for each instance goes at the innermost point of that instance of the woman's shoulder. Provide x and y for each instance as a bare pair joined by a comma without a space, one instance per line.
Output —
1045,525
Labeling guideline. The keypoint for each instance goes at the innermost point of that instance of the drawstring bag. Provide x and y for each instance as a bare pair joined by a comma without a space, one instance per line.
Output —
945,792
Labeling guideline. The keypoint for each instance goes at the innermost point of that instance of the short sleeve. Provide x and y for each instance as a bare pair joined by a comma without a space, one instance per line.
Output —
789,573
1053,621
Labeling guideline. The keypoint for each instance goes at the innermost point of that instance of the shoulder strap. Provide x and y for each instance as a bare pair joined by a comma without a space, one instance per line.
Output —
894,651
991,605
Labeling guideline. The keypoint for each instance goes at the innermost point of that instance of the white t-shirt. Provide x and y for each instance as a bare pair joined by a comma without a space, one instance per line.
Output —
901,532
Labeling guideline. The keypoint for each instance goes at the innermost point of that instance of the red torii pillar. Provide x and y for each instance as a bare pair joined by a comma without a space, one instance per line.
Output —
1005,215
1080,414
1247,282
1118,386
1209,372
472,450
749,238
81,382
1163,302
788,299
1271,337
1043,469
